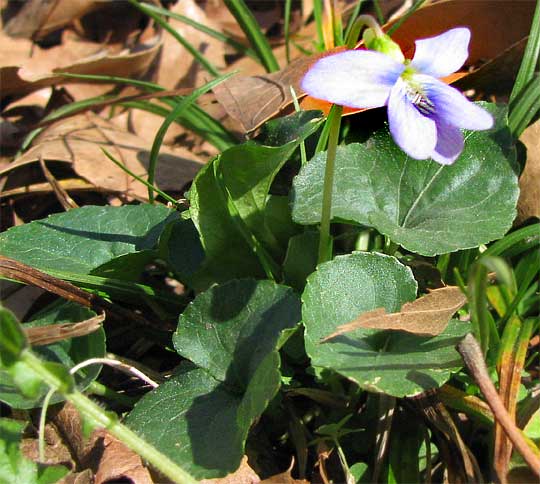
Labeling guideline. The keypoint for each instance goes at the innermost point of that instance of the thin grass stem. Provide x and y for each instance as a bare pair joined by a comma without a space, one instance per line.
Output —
251,28
200,58
150,186
325,243
171,117
287,29
529,63
405,16
215,34
318,14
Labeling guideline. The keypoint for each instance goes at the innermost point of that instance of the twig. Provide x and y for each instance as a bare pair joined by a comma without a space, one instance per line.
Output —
470,351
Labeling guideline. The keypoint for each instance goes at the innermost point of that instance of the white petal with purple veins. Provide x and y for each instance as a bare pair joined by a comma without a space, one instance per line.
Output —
355,78
449,144
413,132
453,107
444,54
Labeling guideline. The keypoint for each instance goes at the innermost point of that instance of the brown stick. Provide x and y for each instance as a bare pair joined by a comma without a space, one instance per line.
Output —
13,269
470,351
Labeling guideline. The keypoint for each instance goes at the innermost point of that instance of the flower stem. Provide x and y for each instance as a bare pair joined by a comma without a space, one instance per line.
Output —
360,22
325,243
109,421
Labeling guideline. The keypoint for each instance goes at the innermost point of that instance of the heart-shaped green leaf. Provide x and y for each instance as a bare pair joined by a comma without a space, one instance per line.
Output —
390,362
233,333
90,239
425,207
229,196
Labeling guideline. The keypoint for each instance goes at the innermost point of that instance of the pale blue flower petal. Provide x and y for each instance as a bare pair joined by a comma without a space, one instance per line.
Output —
355,78
444,54
453,107
449,144
413,132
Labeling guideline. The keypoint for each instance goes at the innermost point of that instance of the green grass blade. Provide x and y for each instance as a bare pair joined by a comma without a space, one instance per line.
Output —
317,13
181,40
353,18
179,109
125,291
287,29
193,118
529,62
515,243
251,28
405,16
63,111
480,317
525,107
215,34
149,86
139,179
379,12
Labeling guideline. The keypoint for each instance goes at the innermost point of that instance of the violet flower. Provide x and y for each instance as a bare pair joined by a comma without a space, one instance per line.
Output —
425,115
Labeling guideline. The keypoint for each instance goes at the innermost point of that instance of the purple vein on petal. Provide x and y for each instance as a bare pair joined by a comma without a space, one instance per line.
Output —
413,132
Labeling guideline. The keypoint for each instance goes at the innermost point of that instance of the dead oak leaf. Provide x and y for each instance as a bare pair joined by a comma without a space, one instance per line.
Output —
44,335
116,461
529,181
37,18
79,141
427,316
40,68
176,67
243,475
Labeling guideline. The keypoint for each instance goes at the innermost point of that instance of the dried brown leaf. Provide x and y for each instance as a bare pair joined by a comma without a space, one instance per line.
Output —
529,181
284,478
460,463
252,100
112,460
56,450
79,140
243,475
105,456
177,68
45,335
38,18
428,315
68,184
26,71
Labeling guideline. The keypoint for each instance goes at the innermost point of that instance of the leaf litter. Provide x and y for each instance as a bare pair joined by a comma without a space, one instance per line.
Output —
427,315
73,144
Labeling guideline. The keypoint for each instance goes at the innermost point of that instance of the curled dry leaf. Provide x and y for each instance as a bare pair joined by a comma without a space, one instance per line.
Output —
112,460
37,18
529,181
103,455
284,478
243,475
79,140
177,68
255,99
252,100
428,315
22,73
44,335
